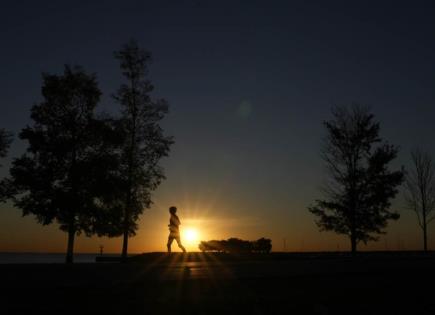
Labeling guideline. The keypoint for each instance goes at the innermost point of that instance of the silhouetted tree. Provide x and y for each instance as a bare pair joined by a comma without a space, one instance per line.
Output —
420,190
360,184
262,245
211,246
57,178
145,143
5,141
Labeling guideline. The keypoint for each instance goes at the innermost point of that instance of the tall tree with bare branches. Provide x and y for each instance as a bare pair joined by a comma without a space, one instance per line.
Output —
360,185
420,190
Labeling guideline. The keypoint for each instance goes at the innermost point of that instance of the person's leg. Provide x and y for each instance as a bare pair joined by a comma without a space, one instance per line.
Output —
179,244
170,240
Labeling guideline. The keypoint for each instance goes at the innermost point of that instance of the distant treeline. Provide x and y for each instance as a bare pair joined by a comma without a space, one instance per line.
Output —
236,245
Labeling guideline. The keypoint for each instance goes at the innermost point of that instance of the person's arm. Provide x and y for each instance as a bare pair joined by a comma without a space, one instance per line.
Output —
177,220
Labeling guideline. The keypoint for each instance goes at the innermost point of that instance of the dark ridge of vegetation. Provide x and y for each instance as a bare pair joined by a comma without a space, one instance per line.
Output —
235,245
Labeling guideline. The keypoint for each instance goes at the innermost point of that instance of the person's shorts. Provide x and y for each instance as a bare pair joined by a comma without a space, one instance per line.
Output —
174,235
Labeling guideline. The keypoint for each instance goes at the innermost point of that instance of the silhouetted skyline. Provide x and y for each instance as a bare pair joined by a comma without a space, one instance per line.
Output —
249,85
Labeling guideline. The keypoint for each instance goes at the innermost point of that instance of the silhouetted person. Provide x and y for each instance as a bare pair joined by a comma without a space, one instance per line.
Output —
174,231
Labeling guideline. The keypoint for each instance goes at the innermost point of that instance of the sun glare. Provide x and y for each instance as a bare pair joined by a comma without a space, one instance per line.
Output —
191,236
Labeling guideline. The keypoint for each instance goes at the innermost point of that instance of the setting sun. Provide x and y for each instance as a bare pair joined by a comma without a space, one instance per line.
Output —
191,236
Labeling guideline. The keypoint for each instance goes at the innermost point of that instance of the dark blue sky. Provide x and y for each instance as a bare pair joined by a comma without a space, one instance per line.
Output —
249,84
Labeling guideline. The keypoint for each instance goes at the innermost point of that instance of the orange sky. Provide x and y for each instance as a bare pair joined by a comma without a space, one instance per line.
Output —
212,220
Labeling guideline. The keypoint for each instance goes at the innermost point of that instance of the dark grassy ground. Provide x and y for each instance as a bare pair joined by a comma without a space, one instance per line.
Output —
372,283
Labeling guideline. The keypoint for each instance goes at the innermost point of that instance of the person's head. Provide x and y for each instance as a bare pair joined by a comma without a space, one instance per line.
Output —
172,210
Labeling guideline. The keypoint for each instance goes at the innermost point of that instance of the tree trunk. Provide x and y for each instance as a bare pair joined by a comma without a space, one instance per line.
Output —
425,238
353,243
124,246
424,235
70,248
126,229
